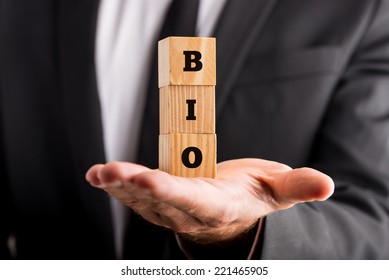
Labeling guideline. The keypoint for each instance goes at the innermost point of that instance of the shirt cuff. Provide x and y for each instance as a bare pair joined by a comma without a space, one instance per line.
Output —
245,246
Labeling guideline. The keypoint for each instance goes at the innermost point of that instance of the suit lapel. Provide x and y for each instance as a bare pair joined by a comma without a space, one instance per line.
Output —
239,26
77,28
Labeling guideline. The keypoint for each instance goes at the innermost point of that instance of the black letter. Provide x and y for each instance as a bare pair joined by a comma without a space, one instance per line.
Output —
198,157
191,105
192,57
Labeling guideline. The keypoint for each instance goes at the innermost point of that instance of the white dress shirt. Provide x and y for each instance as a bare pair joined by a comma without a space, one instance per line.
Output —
126,30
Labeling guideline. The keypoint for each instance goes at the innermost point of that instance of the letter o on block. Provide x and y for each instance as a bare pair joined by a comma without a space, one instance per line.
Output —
188,155
186,160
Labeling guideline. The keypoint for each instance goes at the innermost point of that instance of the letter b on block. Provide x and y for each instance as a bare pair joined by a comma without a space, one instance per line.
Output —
187,61
192,61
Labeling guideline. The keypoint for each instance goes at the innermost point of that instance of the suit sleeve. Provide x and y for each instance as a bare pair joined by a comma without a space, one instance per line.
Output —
353,148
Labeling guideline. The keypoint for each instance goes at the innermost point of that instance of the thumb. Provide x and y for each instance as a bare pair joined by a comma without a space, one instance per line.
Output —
302,185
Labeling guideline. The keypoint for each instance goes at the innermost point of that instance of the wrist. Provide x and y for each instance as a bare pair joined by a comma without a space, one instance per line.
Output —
241,246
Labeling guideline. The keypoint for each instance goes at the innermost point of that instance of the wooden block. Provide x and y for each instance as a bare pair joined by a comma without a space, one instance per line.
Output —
188,155
187,61
187,109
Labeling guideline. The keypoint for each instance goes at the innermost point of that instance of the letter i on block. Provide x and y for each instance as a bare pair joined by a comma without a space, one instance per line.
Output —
187,80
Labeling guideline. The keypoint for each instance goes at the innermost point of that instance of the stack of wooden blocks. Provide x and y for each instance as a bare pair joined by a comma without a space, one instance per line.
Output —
187,80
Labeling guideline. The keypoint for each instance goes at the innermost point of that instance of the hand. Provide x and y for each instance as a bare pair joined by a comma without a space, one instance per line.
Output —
211,209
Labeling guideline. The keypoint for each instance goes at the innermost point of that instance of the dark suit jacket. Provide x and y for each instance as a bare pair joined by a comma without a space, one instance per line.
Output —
305,83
